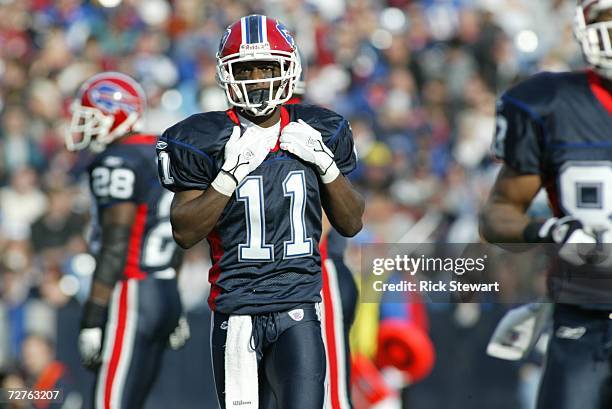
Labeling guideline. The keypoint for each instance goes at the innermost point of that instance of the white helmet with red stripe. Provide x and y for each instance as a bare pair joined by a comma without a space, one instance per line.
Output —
257,38
593,33
107,106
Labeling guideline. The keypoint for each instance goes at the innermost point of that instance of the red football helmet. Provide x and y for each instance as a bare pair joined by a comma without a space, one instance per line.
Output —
258,38
107,106
593,35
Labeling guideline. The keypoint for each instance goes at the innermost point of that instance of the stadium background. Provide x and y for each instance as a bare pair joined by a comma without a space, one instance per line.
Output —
417,80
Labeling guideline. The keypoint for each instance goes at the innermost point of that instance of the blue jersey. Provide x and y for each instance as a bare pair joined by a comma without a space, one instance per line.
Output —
559,127
126,171
264,247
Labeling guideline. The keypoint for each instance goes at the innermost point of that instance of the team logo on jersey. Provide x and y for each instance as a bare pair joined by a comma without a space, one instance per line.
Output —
297,314
113,161
111,98
286,34
161,145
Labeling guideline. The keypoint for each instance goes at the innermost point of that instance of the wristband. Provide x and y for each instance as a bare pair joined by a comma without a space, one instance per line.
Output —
330,174
539,232
94,315
225,183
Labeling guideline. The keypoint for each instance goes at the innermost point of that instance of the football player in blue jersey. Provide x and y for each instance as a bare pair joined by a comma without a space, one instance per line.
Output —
553,132
133,308
252,181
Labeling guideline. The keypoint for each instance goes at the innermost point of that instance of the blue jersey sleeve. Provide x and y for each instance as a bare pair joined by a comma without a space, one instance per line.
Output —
183,167
521,124
189,151
517,138
343,147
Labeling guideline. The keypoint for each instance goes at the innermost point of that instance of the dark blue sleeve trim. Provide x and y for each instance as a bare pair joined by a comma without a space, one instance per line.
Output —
337,132
189,147
525,108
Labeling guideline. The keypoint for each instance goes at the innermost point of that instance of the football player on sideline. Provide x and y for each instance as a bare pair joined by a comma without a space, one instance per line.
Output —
252,181
553,131
134,306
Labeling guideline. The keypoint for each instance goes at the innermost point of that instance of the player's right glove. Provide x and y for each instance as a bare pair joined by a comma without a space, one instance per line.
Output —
518,331
243,154
92,334
575,240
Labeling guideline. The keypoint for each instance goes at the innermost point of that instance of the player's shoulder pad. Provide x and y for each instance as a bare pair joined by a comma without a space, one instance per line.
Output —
324,120
538,94
203,134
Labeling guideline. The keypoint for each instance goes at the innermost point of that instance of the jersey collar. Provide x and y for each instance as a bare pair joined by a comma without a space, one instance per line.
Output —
598,89
284,120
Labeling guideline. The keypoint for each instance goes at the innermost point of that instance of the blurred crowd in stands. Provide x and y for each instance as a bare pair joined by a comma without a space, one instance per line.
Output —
417,80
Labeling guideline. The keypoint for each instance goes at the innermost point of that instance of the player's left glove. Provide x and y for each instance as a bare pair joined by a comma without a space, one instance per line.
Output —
305,142
578,244
518,331
92,334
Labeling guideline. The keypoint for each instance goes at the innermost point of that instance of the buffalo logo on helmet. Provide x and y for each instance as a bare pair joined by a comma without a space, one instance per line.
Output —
112,98
286,34
226,35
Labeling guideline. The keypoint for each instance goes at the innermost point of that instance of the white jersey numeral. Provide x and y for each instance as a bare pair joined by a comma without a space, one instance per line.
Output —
117,183
250,192
164,159
586,192
159,245
294,187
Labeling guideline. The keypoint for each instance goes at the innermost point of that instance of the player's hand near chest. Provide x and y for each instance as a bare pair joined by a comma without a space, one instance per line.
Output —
195,213
343,205
305,142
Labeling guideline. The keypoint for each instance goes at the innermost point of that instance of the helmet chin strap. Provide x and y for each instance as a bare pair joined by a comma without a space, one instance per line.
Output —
260,96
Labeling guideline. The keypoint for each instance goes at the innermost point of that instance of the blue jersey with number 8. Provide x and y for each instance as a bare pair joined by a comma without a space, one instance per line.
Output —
559,126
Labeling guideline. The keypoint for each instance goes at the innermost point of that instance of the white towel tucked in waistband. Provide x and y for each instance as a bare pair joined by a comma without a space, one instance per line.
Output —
241,384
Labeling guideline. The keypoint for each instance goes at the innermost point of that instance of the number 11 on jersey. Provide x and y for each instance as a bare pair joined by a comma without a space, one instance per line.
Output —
251,193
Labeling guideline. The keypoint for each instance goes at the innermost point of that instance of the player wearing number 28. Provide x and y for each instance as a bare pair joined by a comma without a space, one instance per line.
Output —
252,181
554,131
134,305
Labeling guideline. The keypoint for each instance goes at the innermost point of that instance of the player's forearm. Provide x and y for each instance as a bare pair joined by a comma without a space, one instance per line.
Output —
344,206
110,261
195,214
100,293
503,223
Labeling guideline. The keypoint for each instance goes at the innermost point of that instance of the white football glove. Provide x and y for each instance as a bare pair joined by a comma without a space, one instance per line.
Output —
90,347
243,154
180,335
579,245
518,331
305,142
